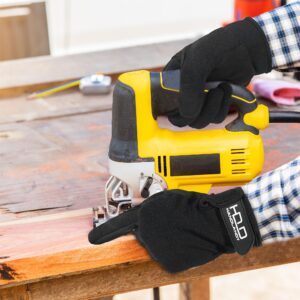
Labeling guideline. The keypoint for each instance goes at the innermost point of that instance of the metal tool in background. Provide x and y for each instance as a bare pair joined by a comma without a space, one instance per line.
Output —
93,84
145,159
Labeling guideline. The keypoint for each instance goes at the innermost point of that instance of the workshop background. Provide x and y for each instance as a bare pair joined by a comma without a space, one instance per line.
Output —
74,26
77,26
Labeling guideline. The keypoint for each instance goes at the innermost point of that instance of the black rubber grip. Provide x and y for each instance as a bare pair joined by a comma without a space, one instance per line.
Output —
164,96
165,88
123,144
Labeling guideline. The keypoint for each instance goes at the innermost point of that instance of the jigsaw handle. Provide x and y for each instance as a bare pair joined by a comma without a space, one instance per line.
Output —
165,93
140,96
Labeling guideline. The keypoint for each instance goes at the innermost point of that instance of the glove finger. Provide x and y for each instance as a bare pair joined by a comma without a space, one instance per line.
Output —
177,120
213,102
175,62
191,101
192,95
224,108
115,227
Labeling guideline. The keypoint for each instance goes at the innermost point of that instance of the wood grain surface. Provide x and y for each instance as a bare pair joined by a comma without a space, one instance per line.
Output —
37,177
54,249
31,74
68,103
50,165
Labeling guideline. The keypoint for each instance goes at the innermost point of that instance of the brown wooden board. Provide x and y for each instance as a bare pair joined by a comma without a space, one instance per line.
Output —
66,158
58,247
93,285
31,74
71,102
61,163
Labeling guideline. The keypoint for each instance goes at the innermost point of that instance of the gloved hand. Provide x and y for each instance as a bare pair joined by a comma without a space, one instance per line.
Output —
234,53
183,229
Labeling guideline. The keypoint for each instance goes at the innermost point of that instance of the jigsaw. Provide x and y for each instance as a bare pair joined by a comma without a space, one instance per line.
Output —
145,159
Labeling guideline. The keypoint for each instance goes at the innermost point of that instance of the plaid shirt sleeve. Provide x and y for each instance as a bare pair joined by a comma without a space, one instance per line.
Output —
275,199
282,29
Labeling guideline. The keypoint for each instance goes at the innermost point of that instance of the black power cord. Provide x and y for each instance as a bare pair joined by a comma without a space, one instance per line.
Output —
284,117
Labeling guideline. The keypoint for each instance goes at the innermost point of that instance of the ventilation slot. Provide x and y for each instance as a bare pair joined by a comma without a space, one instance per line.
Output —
238,171
238,151
162,165
238,161
159,164
165,166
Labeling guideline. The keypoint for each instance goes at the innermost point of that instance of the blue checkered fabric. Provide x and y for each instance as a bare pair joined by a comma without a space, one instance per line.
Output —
282,29
275,199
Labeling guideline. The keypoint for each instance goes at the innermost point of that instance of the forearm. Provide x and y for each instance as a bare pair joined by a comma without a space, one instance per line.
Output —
282,29
275,199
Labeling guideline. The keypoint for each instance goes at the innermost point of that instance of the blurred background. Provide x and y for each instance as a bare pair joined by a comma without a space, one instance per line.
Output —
92,24
71,26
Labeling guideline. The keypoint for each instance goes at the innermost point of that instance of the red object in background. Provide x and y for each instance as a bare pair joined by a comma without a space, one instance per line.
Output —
253,8
288,93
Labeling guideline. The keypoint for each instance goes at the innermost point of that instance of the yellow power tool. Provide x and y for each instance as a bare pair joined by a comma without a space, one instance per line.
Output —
145,159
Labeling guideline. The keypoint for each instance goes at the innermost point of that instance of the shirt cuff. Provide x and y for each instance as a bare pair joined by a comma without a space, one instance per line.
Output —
282,29
275,200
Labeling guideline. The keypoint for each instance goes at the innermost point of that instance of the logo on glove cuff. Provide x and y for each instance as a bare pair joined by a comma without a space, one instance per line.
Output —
236,221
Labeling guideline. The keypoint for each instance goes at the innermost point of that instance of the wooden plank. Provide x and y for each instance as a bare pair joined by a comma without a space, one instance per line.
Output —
64,246
58,250
37,177
42,72
19,109
71,259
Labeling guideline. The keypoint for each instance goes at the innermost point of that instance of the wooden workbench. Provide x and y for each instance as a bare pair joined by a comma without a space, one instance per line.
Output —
53,170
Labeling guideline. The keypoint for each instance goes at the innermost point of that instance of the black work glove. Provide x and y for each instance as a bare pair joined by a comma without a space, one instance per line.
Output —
234,54
183,229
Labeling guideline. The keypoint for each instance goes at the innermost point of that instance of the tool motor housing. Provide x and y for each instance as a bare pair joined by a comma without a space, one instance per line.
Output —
192,160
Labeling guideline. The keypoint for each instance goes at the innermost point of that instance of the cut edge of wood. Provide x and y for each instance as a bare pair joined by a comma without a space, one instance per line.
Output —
127,253
55,265
146,274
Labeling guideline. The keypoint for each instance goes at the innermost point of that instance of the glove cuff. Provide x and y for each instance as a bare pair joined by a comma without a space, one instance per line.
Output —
239,219
253,221
250,34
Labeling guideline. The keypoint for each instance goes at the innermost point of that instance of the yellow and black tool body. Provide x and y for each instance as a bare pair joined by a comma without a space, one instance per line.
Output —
145,159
